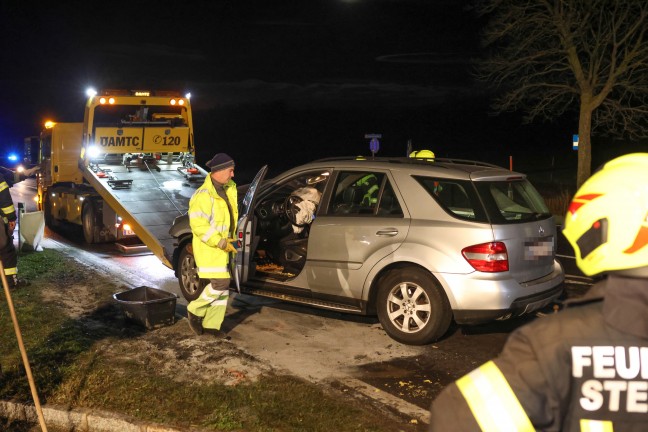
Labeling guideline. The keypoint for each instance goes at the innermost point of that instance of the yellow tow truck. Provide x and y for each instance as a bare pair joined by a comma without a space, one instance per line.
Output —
125,172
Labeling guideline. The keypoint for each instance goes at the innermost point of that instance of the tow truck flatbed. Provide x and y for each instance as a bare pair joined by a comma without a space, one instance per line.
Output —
149,198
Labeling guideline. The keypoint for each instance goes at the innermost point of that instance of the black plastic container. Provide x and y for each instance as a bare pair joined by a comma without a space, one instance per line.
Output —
150,307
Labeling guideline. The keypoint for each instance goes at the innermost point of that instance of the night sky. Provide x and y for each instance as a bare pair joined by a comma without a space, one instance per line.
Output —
278,82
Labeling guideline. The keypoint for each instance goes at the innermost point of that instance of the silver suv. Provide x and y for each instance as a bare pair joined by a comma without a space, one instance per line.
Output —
417,242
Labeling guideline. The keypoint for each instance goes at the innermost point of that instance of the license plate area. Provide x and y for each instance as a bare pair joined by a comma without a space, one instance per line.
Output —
539,249
128,233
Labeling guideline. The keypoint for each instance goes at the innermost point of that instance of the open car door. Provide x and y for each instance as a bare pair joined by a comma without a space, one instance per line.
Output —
245,230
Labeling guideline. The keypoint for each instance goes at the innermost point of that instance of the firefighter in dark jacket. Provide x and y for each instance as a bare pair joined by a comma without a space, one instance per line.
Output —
586,367
8,253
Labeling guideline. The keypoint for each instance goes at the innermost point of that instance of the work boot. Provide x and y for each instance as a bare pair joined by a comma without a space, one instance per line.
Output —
195,322
219,334
15,282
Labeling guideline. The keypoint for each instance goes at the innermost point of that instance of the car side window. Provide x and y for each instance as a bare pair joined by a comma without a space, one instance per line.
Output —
457,197
363,193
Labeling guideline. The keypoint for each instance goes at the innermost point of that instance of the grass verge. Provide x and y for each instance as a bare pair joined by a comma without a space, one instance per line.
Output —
68,353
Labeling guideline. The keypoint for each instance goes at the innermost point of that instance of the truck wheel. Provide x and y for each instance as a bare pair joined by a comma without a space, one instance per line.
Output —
412,307
50,220
190,284
89,221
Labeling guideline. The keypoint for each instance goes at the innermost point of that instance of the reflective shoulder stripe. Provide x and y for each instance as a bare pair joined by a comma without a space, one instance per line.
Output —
208,234
199,215
596,426
492,400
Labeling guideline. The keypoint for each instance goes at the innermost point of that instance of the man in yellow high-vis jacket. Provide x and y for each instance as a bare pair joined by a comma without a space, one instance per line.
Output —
213,214
586,367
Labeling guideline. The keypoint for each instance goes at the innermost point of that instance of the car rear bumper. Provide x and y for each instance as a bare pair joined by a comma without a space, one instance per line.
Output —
482,300
519,307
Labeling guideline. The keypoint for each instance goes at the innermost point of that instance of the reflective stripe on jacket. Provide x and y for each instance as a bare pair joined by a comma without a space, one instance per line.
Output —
582,369
492,401
210,222
7,209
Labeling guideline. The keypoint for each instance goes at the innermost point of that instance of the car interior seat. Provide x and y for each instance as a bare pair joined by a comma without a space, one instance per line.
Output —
351,199
293,253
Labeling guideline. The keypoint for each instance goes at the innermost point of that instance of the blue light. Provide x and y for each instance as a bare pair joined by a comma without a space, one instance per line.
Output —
13,157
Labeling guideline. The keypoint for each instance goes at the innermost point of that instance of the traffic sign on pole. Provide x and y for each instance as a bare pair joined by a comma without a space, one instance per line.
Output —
374,143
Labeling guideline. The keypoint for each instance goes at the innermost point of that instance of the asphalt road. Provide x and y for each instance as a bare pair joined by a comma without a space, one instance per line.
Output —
345,351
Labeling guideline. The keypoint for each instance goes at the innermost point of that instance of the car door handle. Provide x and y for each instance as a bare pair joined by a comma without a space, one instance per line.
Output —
387,232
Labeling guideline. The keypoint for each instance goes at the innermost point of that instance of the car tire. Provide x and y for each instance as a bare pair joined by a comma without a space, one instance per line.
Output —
89,223
191,285
412,307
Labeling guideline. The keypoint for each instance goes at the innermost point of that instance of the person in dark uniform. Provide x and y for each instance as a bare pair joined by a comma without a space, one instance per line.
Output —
8,253
586,367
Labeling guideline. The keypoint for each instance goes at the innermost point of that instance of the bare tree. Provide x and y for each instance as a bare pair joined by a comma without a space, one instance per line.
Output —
549,57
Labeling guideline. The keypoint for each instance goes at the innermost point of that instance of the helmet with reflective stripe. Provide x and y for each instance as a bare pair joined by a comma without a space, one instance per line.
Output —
607,220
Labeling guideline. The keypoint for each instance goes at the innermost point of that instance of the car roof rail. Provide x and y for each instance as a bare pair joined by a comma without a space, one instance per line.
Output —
466,162
405,159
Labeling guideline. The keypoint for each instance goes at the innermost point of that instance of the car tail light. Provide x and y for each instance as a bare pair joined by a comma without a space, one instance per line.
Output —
487,257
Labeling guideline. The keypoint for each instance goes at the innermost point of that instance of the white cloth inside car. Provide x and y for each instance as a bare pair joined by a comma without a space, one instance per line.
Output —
307,207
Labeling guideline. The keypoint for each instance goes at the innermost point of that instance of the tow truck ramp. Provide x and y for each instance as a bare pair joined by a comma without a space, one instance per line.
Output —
148,196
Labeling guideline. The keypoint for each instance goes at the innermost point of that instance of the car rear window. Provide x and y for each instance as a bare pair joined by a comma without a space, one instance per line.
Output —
512,201
500,202
457,197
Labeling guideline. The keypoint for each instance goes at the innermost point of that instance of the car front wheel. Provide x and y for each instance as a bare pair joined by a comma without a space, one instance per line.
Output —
412,307
191,285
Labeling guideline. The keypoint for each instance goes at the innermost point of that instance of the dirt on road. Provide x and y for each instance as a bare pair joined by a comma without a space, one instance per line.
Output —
172,350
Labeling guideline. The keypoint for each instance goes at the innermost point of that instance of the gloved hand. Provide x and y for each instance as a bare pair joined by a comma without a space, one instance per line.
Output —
230,247
227,246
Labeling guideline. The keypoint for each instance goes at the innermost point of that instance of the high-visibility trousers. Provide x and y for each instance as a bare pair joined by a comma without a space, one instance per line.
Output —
212,304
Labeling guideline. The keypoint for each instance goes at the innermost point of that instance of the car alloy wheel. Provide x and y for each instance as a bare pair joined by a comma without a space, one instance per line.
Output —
190,283
409,307
412,307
